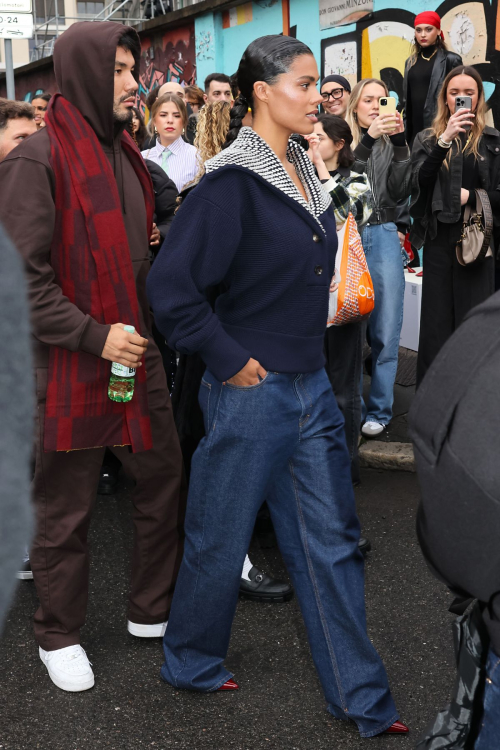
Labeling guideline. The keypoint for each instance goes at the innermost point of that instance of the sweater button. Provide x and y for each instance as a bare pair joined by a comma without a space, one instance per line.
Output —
316,238
318,270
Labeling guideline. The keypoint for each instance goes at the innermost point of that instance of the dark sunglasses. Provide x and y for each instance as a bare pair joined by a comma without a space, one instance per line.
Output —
335,94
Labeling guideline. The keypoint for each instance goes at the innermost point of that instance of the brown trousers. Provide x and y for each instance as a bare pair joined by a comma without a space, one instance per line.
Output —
65,487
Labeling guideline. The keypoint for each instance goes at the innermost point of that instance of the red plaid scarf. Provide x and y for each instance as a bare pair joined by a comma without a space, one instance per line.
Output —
91,260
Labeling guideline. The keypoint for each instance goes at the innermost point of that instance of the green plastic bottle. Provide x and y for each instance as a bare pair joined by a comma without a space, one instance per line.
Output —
122,380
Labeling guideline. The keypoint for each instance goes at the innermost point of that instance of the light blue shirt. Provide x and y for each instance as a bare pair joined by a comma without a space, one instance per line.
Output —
181,166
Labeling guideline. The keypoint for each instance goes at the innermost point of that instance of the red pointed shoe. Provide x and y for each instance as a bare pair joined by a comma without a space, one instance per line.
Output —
397,728
232,685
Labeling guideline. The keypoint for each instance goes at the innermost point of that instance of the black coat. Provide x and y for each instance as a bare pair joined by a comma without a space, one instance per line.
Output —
445,61
454,426
443,204
165,197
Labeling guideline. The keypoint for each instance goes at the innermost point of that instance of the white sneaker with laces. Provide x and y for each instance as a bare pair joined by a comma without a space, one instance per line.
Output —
372,429
69,668
147,631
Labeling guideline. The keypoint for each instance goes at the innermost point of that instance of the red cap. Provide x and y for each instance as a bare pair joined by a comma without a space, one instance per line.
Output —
429,17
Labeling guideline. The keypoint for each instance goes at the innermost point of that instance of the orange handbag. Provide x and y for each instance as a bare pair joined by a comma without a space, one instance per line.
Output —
354,299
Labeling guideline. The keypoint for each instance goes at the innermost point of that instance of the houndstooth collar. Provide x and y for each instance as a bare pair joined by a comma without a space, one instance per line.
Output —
252,152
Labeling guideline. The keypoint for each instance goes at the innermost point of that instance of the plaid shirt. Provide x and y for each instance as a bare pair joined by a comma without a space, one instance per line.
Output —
350,193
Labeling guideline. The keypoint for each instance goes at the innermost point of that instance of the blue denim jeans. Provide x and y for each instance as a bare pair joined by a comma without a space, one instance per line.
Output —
489,734
383,254
281,440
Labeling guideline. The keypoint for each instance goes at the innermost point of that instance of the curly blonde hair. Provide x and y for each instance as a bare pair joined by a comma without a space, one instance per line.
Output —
211,132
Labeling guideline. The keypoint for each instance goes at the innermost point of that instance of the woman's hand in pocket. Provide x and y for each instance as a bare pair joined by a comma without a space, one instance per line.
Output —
251,374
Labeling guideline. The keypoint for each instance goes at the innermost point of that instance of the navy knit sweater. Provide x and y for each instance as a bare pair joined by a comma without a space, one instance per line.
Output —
273,256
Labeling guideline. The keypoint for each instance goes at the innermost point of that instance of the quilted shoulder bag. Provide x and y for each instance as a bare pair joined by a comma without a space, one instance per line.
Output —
474,244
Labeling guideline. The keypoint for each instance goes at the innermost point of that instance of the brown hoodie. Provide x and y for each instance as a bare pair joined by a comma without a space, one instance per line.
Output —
84,58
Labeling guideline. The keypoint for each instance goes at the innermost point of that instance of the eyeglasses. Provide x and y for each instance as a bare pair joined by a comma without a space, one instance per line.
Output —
335,94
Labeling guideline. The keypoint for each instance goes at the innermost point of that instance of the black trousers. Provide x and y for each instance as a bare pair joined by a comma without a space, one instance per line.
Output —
344,364
449,292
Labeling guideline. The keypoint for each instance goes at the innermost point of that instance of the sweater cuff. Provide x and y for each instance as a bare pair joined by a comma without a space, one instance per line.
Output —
223,356
401,153
329,185
94,337
368,140
398,139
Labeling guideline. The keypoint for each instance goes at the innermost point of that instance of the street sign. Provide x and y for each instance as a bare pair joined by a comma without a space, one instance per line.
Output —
16,26
16,6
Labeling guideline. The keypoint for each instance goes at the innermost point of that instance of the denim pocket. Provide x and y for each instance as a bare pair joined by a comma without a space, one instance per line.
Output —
389,226
247,387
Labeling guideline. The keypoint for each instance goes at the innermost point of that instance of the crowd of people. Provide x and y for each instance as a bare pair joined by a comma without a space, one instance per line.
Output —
212,231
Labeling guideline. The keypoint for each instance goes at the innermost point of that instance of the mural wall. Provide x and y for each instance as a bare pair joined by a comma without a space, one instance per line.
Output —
168,56
34,82
377,45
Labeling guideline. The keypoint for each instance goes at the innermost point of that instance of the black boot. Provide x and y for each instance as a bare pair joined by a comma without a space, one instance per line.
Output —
364,545
263,588
107,481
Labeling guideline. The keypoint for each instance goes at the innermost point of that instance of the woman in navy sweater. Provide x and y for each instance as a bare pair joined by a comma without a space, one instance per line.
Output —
260,223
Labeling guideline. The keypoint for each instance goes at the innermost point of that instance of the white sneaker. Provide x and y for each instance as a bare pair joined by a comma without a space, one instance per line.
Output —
147,631
69,668
372,429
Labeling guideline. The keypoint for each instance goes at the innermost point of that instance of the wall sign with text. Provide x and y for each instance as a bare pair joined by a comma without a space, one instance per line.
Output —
340,12
16,25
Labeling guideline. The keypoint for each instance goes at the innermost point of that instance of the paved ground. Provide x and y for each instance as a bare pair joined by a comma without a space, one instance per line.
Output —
279,705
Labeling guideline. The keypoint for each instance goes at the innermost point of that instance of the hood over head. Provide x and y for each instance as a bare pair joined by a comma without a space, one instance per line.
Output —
84,60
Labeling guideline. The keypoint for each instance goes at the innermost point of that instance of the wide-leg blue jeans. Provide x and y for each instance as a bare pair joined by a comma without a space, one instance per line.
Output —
383,254
282,439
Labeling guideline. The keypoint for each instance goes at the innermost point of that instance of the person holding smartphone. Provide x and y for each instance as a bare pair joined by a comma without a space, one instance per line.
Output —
381,151
456,155
425,71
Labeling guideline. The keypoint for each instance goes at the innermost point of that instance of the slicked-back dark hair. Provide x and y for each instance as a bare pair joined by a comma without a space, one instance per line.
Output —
45,96
264,59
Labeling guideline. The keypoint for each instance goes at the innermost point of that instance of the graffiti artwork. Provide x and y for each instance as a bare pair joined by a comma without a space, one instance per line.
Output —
167,57
381,44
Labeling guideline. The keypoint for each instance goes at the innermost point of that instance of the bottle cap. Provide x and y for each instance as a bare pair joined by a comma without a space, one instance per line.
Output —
129,329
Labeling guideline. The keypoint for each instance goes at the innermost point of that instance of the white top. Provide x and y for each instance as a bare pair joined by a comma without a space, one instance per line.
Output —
181,166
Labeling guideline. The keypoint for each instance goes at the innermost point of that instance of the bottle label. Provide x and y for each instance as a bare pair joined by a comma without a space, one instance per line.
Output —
122,370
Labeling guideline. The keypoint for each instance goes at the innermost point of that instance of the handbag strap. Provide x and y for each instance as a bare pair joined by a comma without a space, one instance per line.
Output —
483,206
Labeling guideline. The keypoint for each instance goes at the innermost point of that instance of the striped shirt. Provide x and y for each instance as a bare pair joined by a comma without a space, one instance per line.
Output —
181,166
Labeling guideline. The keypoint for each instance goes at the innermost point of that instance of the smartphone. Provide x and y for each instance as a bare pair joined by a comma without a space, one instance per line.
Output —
463,102
387,106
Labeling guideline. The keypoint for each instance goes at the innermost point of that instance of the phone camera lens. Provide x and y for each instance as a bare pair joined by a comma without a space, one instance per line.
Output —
383,102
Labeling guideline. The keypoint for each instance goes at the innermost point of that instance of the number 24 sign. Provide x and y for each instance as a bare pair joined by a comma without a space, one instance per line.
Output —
16,25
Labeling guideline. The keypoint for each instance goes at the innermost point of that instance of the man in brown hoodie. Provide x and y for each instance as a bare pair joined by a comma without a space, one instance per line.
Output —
96,66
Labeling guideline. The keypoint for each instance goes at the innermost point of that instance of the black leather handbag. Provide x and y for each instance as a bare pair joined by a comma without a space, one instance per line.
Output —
457,726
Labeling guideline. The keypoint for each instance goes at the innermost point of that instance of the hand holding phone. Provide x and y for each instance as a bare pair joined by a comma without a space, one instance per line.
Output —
461,120
464,102
387,110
